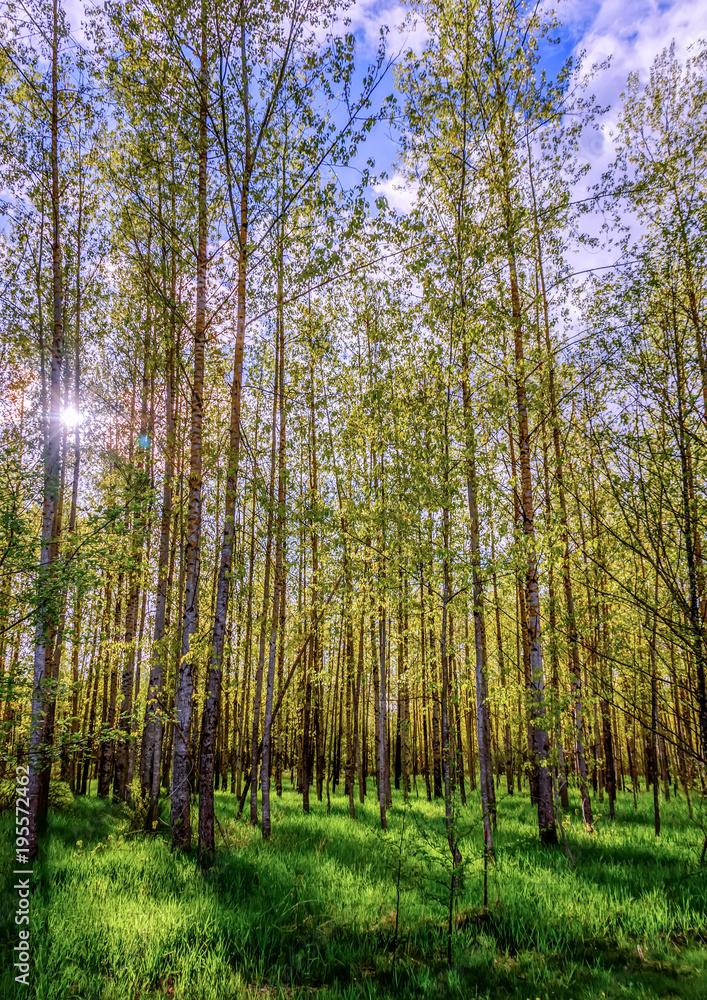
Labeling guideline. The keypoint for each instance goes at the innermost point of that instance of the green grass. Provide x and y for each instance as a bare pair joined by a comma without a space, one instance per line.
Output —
312,912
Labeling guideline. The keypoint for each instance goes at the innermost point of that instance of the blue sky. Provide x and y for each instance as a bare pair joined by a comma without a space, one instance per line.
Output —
630,33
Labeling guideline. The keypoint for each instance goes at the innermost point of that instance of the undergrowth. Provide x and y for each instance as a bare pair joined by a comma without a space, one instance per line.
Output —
117,916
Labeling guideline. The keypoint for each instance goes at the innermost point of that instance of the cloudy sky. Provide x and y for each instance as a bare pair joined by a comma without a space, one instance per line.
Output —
629,32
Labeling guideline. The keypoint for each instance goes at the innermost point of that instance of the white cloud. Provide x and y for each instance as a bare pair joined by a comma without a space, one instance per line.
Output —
366,17
631,33
399,192
75,15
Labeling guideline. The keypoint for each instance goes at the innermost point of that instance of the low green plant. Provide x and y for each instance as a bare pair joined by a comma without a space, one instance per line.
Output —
61,797
117,915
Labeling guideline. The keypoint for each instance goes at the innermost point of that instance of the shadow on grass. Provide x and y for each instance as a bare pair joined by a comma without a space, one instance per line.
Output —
310,911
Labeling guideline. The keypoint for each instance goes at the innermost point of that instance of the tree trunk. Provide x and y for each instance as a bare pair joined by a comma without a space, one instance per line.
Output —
546,814
43,692
107,748
279,545
154,707
182,764
485,761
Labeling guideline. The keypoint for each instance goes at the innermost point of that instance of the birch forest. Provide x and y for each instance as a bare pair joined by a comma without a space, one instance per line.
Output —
353,505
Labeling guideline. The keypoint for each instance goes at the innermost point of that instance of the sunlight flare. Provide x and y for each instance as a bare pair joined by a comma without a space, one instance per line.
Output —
71,417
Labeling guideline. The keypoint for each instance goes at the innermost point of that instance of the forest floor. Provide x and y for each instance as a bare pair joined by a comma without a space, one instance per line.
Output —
312,912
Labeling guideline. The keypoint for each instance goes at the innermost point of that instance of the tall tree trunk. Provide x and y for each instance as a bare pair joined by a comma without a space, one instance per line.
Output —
351,707
654,733
43,692
546,814
182,764
436,692
139,484
305,755
485,760
102,658
382,723
279,545
154,707
223,588
507,741
357,713
446,761
522,630
258,694
107,748
423,656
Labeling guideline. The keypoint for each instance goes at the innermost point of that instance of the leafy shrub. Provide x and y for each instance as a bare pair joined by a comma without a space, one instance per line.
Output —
61,797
